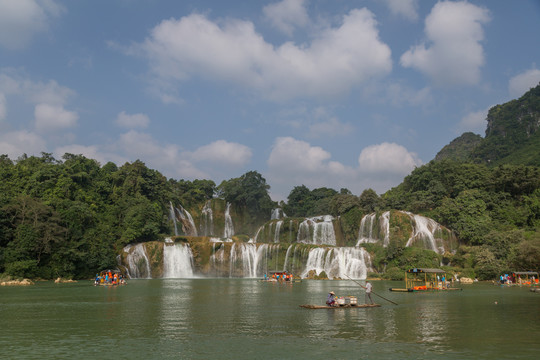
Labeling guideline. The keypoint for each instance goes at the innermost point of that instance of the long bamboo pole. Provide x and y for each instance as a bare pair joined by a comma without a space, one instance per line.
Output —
371,290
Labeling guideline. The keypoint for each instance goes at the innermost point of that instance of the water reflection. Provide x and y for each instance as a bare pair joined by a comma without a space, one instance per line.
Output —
243,318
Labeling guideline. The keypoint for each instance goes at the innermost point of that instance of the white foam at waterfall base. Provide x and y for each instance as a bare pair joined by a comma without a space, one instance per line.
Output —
340,262
177,261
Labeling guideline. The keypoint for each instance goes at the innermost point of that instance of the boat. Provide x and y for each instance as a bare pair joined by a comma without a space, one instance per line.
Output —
344,306
281,277
425,279
521,278
115,276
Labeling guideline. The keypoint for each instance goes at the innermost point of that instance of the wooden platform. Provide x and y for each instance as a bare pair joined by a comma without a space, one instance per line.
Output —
347,306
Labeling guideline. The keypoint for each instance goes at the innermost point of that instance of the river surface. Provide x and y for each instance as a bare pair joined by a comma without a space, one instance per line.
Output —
248,319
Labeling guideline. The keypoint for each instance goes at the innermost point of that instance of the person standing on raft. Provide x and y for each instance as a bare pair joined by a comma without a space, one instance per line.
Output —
331,300
368,292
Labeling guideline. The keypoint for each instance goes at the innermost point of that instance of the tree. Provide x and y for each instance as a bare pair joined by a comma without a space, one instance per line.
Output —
369,200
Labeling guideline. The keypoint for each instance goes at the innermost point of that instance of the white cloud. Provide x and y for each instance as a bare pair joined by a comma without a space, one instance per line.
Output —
335,61
52,117
329,127
297,162
474,121
291,155
20,20
132,121
223,153
16,143
387,158
3,107
287,15
521,83
454,55
405,8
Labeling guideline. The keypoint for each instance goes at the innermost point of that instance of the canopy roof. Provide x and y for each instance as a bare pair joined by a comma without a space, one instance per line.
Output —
426,270
526,273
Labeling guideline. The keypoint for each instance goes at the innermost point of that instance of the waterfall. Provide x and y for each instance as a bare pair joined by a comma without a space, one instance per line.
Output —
229,228
276,233
317,230
277,214
138,265
338,262
177,261
385,227
188,225
424,230
248,260
365,235
172,216
287,257
257,234
207,223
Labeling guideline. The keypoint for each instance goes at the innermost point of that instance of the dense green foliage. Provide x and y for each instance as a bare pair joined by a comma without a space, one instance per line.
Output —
70,218
494,210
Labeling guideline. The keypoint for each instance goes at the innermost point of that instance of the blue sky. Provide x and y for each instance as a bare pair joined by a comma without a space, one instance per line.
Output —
340,94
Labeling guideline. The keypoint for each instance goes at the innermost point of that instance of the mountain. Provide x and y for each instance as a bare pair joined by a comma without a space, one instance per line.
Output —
460,148
512,135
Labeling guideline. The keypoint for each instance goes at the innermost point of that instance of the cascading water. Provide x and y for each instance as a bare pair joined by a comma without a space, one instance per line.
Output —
353,262
172,216
188,225
138,265
277,214
177,261
276,233
229,227
207,224
424,231
317,231
365,235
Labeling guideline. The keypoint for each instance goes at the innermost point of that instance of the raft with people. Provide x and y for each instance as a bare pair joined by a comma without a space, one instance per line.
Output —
280,277
425,279
109,278
344,306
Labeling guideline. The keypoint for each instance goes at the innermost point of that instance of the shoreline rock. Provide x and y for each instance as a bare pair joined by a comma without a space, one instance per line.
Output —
61,280
23,282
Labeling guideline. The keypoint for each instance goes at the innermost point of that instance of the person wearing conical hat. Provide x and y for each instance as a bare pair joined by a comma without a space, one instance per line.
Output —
331,300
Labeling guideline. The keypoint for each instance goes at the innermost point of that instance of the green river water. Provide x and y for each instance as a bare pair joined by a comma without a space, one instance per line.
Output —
248,319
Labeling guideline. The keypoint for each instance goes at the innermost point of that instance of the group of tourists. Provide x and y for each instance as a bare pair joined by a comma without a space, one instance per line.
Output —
109,277
280,277
331,300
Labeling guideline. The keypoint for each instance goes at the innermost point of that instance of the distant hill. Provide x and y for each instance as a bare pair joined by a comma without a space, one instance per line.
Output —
460,148
512,135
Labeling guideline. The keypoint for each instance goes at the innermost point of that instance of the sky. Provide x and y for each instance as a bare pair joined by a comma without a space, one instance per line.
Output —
340,94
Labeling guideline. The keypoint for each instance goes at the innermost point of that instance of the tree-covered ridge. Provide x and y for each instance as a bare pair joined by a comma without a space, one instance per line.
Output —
494,211
512,135
460,148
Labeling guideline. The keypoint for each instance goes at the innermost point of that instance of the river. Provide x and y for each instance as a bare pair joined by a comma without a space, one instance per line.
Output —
248,319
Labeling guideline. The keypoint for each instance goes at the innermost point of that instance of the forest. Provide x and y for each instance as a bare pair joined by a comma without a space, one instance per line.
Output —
70,217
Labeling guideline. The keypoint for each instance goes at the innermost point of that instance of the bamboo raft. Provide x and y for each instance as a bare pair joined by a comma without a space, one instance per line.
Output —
345,306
